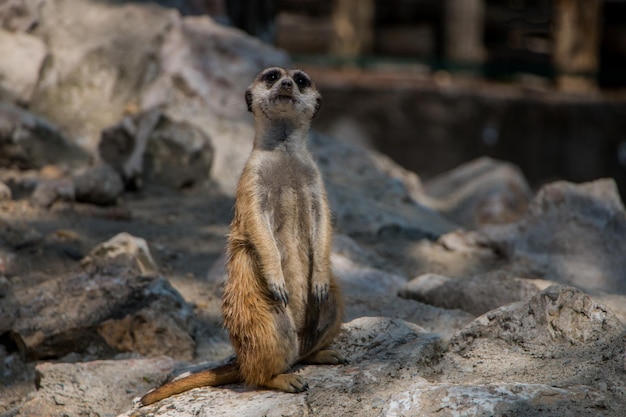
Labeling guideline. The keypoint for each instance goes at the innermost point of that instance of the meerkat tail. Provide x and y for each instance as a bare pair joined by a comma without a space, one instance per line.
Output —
223,375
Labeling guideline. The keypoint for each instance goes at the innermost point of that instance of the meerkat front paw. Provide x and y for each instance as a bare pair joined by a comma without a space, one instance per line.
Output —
279,292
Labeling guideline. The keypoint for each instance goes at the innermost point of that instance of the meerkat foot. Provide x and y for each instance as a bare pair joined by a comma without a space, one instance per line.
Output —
326,357
288,383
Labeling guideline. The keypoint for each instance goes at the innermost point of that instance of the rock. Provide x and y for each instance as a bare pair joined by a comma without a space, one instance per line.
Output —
615,303
101,57
70,314
118,303
374,347
178,155
122,251
23,56
17,15
162,328
206,68
476,295
100,185
30,142
364,280
371,292
372,197
433,319
154,148
483,191
572,234
561,329
17,235
398,369
103,388
48,192
5,192
5,285
557,320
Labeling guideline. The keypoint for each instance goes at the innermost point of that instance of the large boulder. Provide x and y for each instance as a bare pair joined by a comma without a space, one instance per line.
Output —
560,354
23,57
119,302
151,147
28,141
574,234
91,388
371,196
479,192
476,294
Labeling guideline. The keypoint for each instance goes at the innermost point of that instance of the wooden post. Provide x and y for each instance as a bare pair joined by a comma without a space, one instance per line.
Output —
353,22
576,37
463,29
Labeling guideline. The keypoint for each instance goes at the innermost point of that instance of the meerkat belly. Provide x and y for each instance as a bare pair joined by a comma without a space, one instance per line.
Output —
288,203
292,229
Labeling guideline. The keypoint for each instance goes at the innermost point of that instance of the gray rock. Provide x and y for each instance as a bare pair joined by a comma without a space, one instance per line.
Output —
23,56
483,191
372,197
151,147
29,142
119,303
442,321
19,15
100,185
572,234
5,192
17,235
49,191
102,388
374,347
123,251
477,294
101,57
556,322
397,369
206,68
370,292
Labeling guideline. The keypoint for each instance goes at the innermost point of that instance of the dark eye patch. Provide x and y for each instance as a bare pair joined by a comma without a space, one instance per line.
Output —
271,77
302,80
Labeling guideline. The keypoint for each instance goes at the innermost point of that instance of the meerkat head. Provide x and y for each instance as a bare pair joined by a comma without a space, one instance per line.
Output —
283,94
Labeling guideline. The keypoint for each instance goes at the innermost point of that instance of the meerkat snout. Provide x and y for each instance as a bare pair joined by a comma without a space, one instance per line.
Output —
286,84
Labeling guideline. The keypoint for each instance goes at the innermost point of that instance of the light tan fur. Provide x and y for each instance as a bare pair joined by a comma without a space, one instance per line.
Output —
281,302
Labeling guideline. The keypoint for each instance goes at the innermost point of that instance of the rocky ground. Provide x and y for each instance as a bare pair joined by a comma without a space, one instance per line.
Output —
122,134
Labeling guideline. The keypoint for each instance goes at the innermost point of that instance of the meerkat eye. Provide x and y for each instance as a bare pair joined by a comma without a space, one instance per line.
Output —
302,80
271,77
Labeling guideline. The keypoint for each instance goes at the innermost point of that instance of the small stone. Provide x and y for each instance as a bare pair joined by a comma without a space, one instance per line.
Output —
124,250
48,192
100,185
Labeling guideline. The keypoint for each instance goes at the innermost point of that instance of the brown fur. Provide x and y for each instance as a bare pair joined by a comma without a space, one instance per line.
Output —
281,302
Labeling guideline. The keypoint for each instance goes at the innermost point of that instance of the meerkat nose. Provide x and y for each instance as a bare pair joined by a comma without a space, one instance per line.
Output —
286,84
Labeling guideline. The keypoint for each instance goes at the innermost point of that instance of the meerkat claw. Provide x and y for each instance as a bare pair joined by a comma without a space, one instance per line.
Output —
279,293
320,292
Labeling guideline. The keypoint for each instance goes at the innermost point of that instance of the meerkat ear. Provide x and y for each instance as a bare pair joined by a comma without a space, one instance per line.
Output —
318,104
249,99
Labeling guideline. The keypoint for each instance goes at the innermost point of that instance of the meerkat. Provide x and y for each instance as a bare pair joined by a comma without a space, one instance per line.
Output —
281,303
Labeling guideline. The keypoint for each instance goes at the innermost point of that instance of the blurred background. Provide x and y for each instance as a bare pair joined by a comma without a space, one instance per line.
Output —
436,83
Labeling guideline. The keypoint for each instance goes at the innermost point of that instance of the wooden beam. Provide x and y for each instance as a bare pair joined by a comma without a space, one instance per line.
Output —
576,36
